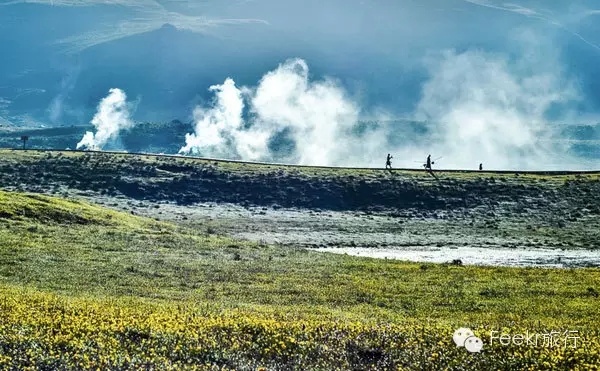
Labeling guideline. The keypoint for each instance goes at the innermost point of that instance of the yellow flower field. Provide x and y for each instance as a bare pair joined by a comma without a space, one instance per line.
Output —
48,331
84,287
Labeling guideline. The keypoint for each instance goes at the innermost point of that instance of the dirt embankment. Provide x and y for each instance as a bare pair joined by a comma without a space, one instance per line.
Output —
317,208
190,181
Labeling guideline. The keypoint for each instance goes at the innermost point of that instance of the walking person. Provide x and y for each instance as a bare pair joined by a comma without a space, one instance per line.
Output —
388,162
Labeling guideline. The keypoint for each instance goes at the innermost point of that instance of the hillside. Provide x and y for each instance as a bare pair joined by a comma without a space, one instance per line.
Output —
278,242
189,180
85,287
487,209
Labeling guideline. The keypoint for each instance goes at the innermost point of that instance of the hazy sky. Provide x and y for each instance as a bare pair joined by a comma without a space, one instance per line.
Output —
377,48
459,66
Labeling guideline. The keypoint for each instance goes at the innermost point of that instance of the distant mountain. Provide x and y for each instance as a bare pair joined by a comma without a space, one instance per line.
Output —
58,62
168,69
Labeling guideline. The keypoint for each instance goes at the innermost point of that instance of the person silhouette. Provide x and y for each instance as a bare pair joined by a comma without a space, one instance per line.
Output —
388,161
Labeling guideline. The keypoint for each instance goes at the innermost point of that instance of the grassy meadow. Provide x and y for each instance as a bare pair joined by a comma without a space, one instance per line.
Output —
84,287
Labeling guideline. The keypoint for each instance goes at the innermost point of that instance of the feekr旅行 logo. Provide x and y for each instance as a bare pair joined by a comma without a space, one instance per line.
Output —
464,337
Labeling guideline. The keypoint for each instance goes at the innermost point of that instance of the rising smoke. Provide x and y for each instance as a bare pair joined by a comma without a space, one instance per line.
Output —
483,107
58,106
112,117
476,107
221,131
315,115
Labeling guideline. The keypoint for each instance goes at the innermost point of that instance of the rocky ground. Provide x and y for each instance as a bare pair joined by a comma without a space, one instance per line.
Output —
333,208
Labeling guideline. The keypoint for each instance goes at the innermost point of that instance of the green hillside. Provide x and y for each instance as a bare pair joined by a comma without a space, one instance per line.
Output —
88,284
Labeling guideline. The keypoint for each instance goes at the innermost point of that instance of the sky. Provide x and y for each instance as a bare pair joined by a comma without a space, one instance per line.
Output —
482,78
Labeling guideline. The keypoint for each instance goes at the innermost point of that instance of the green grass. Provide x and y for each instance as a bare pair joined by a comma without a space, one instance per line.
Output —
76,248
81,272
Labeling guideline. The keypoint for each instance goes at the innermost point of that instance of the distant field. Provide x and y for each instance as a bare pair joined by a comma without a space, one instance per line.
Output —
86,287
164,137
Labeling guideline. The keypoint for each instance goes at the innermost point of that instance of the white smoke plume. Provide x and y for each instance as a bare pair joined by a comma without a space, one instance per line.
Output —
112,117
58,108
315,114
481,107
318,114
476,107
220,130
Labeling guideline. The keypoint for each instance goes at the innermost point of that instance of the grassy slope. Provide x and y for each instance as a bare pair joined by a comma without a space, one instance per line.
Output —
55,244
79,250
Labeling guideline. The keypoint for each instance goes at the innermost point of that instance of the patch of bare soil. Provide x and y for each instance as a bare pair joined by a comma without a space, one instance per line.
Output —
412,236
